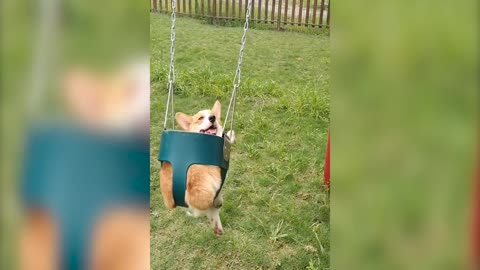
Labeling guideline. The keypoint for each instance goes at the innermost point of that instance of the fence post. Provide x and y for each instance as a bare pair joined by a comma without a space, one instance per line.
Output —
322,8
273,12
266,11
328,14
292,19
279,15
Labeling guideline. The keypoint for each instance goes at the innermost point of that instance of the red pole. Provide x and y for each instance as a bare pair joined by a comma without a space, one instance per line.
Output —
326,169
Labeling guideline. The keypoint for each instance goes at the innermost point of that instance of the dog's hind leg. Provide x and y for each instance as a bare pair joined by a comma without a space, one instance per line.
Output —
214,216
218,202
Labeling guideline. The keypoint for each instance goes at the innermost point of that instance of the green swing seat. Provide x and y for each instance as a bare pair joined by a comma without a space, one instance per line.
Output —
183,149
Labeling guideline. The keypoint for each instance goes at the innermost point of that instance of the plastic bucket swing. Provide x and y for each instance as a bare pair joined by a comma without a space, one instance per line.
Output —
76,176
183,149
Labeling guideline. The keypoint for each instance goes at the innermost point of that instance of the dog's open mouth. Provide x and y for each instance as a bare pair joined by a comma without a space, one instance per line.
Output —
212,130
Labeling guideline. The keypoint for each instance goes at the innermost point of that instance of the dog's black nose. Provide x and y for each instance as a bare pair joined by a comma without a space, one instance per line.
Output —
211,118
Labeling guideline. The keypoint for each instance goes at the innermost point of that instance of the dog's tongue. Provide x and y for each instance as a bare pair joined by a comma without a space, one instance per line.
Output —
212,131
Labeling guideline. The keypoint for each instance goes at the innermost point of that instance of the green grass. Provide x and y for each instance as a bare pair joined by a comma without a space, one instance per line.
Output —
275,212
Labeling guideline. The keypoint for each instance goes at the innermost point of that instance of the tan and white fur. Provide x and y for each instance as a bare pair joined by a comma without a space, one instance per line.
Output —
203,181
115,103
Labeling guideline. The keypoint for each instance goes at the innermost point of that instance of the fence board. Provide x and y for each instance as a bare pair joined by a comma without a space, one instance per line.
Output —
279,14
315,6
266,11
226,8
300,12
233,8
292,19
322,7
272,16
259,15
246,6
220,8
214,9
307,15
240,9
252,10
328,14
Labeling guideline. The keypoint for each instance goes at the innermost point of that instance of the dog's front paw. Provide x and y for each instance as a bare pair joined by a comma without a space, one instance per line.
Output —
231,135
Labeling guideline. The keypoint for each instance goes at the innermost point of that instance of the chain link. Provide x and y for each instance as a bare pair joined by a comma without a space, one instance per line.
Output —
238,73
236,79
171,72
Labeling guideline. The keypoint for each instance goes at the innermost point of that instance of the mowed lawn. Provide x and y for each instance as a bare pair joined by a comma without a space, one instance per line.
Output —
275,212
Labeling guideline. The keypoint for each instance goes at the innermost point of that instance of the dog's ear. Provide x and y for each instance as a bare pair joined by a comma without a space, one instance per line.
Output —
217,110
184,120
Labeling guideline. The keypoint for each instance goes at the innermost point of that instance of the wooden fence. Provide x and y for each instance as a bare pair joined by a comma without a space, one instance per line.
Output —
279,13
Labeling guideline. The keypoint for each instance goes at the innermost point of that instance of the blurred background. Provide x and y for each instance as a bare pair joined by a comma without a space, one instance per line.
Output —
404,117
404,133
75,134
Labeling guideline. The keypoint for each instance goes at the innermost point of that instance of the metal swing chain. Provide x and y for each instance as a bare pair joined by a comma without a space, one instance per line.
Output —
238,73
171,73
236,80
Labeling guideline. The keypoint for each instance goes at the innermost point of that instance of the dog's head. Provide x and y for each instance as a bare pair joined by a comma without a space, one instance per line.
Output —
206,121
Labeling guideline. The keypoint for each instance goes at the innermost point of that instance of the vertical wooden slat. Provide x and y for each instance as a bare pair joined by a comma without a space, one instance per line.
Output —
307,15
226,9
220,8
190,8
234,14
155,5
328,14
322,7
160,5
240,9
202,7
184,7
315,6
292,19
259,15
285,13
196,8
246,6
300,12
252,10
214,9
273,11
166,5
209,8
266,11
279,14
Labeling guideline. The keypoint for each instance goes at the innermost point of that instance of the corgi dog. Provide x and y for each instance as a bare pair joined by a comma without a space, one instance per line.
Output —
203,181
116,104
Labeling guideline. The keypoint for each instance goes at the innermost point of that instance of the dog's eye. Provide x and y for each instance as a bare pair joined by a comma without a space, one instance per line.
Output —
201,118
